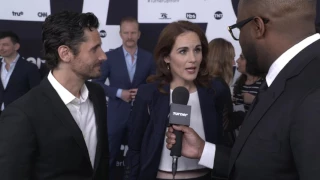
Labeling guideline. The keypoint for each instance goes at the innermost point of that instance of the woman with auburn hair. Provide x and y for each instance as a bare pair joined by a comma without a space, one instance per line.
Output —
181,58
221,59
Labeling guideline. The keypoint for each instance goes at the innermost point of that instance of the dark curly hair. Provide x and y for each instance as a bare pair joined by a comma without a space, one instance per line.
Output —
65,28
164,46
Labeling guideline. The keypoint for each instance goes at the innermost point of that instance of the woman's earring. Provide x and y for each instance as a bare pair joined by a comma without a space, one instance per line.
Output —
168,67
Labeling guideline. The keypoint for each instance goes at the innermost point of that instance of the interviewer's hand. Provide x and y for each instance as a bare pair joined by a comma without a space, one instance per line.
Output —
192,144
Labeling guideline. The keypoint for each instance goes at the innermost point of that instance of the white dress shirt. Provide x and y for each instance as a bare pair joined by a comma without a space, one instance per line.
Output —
285,58
196,123
6,74
208,154
82,112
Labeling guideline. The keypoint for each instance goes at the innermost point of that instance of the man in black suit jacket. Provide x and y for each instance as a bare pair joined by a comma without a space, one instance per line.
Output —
18,76
279,136
58,129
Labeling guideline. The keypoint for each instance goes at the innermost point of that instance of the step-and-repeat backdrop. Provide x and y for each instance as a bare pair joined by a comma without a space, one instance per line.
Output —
26,17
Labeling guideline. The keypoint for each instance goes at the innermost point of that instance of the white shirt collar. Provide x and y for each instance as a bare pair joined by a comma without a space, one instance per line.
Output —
126,53
64,94
14,61
285,58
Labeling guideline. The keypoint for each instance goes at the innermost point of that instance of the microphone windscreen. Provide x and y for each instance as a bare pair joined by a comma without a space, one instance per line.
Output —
180,95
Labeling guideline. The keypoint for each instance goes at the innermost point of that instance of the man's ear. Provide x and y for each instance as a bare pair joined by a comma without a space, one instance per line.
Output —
259,28
16,46
65,53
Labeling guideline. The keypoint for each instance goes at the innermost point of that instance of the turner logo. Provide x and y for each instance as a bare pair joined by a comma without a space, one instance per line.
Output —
180,114
17,13
191,16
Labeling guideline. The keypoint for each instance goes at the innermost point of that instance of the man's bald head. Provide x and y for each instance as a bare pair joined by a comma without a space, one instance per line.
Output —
276,26
298,9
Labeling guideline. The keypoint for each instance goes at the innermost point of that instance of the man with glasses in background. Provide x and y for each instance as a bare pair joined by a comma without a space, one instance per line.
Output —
279,136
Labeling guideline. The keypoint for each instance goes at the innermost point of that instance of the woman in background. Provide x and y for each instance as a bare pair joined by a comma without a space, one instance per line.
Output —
220,66
221,59
247,85
181,58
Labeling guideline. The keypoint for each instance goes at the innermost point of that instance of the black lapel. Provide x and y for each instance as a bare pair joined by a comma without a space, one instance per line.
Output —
162,108
16,71
64,115
139,66
1,85
207,106
99,124
254,102
293,68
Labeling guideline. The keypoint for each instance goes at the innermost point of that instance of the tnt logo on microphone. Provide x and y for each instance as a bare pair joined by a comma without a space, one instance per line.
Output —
191,15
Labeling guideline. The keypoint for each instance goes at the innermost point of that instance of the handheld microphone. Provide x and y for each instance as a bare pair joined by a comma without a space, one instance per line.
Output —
179,115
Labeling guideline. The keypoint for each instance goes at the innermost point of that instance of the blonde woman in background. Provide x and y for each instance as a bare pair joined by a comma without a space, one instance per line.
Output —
221,59
220,66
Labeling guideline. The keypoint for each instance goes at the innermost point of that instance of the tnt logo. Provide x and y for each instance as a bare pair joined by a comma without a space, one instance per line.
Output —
218,15
17,13
191,16
42,14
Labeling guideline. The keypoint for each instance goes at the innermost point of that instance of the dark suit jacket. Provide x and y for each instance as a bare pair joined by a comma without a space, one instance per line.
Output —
115,69
40,140
24,77
147,132
279,138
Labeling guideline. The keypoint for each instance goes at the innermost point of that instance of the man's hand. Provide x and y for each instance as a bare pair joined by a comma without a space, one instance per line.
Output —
125,95
133,93
192,144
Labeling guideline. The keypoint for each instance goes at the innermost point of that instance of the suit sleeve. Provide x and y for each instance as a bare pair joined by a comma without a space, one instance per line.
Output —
34,76
17,145
109,91
221,162
138,122
304,137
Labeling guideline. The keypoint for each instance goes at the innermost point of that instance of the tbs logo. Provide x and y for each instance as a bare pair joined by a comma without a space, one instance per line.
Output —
191,16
